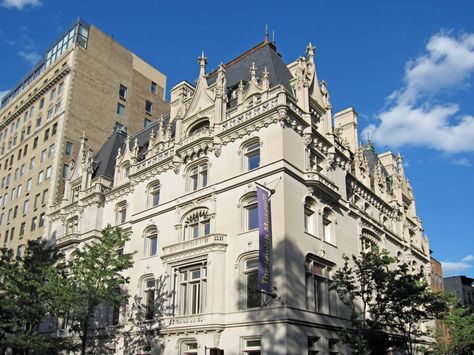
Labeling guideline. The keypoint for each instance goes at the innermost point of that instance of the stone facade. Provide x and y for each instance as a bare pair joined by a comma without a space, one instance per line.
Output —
185,190
74,89
463,287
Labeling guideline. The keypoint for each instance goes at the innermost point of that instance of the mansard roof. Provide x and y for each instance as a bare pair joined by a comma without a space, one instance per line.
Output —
105,158
104,161
264,55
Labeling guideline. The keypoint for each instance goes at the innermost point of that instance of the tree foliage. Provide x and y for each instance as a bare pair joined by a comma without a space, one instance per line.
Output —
456,333
388,302
31,290
95,278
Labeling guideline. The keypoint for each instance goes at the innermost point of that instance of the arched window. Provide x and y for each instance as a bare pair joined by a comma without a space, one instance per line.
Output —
197,223
319,297
251,154
148,296
328,226
151,241
368,241
199,126
154,194
310,216
249,212
197,176
120,212
249,297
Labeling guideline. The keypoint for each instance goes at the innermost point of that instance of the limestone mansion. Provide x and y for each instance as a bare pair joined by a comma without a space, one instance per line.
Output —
185,189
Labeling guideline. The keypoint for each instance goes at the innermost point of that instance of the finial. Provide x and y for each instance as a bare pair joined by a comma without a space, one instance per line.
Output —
310,51
266,33
253,71
273,37
202,63
220,67
266,73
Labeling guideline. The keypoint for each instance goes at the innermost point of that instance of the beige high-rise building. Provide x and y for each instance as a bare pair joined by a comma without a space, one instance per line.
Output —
86,82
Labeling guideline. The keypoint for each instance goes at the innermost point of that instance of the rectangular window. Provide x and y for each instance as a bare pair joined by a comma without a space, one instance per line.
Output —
37,201
26,205
251,346
38,122
22,229
314,346
153,88
198,177
121,109
122,91
61,88
253,298
319,297
149,296
43,155
41,103
49,115
152,245
69,147
191,289
54,129
49,170
65,170
40,177
28,185
32,163
53,95
146,122
33,223
35,143
51,150
46,135
121,213
45,196
148,107
252,154
42,219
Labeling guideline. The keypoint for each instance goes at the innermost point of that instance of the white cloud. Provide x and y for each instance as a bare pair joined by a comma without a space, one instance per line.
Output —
20,4
458,267
31,57
454,268
411,118
463,162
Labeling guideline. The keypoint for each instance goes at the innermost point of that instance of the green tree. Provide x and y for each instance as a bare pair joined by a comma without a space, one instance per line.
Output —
31,290
388,302
95,275
458,322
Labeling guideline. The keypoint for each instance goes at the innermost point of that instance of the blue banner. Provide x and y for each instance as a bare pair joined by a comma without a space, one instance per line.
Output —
265,241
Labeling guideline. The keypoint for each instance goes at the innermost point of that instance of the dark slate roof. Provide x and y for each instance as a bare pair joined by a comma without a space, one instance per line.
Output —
104,161
263,55
105,157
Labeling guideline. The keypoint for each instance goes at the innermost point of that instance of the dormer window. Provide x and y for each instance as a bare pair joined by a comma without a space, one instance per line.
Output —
199,126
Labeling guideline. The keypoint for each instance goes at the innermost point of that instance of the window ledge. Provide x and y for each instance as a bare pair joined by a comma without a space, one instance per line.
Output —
248,231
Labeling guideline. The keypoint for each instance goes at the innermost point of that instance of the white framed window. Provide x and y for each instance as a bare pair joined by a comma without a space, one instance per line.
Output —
121,212
189,347
191,289
251,298
122,91
319,297
197,223
154,194
198,176
249,212
151,241
148,297
329,226
310,221
199,126
251,153
49,170
251,345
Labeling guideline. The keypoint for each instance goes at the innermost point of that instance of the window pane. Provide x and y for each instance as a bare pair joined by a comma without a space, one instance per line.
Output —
156,198
153,246
253,297
252,216
253,160
207,228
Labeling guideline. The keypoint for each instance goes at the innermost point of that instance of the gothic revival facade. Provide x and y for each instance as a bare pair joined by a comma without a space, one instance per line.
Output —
185,189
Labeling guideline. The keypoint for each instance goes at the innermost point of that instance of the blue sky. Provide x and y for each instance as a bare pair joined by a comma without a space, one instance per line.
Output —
406,67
